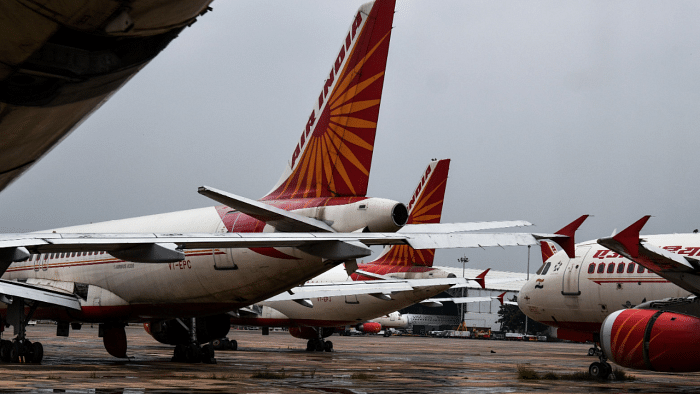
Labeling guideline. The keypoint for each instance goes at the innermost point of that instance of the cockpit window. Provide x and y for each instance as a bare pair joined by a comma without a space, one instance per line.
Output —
546,268
539,271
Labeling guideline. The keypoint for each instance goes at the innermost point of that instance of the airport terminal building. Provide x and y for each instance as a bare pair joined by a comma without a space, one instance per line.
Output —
480,315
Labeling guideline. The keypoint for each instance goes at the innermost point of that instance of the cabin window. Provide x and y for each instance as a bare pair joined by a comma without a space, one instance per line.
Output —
591,268
546,268
621,268
52,255
601,268
640,269
611,268
630,268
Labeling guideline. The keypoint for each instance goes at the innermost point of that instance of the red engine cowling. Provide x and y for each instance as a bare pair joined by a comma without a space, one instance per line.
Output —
652,340
311,332
369,327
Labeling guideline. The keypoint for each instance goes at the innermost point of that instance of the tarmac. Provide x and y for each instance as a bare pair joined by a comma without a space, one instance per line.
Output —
278,363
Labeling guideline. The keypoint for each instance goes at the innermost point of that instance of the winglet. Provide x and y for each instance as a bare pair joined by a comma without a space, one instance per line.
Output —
629,237
567,242
500,297
481,278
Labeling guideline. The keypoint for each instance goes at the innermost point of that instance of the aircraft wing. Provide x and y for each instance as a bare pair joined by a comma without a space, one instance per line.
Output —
167,247
460,300
461,227
681,270
9,289
379,288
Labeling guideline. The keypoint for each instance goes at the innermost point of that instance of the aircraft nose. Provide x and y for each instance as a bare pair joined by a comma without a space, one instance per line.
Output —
525,295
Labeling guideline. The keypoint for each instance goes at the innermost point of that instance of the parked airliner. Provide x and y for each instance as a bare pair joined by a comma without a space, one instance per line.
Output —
601,286
399,277
203,263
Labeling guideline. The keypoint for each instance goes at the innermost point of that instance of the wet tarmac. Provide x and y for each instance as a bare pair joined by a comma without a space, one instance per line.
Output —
278,363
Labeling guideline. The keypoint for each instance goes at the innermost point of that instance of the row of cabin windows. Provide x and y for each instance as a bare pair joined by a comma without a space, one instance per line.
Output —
38,257
611,268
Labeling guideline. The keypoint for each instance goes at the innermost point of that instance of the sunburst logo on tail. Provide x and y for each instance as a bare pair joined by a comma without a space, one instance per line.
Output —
425,207
334,154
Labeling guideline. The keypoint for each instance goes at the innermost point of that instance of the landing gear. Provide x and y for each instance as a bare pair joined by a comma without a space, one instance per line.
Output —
193,352
24,351
20,349
225,344
319,345
599,369
595,350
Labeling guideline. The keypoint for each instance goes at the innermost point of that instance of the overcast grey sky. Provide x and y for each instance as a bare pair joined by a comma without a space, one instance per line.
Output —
548,110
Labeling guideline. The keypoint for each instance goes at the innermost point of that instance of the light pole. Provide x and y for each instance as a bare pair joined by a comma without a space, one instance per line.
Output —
464,260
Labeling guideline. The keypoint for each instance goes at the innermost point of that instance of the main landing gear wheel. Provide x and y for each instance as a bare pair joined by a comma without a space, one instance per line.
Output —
194,353
224,344
600,370
319,345
21,351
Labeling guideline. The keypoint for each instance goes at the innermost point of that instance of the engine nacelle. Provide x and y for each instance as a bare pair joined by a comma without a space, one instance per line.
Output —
369,327
370,214
652,340
311,332
171,332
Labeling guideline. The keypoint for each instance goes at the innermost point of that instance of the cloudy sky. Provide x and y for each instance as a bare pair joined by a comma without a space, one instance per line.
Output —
548,110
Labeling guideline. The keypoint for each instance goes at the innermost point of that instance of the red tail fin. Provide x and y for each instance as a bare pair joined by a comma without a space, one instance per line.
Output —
334,154
500,297
481,278
548,250
425,207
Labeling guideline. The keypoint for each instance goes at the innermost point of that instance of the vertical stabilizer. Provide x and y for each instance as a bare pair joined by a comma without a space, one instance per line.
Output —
334,154
425,207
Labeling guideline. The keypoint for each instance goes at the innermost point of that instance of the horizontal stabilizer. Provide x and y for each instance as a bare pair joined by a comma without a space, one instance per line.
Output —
278,218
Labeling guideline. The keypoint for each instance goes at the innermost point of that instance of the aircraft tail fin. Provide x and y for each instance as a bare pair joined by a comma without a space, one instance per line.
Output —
425,207
334,154
548,250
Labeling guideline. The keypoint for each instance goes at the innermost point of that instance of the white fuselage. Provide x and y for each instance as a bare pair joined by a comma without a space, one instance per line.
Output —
344,310
578,293
206,282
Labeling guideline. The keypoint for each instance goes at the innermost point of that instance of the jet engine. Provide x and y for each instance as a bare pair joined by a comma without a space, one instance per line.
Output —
369,214
369,327
176,332
652,340
311,332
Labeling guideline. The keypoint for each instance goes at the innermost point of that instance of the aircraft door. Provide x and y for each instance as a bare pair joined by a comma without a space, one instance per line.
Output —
572,272
223,259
